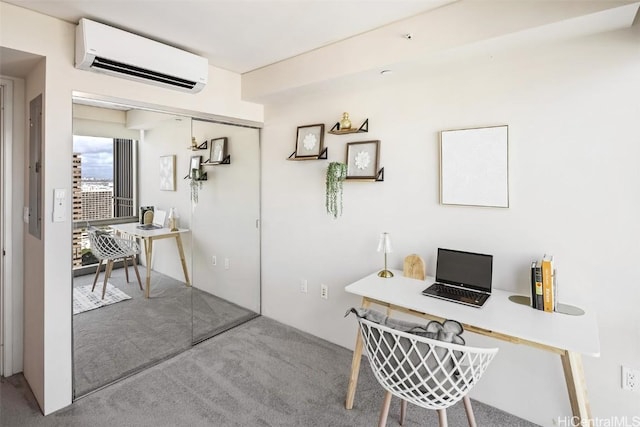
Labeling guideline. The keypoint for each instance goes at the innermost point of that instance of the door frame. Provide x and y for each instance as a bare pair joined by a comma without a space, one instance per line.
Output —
7,325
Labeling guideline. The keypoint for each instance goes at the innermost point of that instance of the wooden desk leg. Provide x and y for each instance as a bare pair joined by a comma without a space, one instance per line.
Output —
148,248
355,364
182,259
577,387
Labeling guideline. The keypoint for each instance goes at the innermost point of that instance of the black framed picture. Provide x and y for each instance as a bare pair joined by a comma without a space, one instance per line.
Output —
309,140
362,159
195,167
218,150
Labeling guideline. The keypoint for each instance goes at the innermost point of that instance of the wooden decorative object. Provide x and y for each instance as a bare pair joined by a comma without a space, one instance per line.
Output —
414,267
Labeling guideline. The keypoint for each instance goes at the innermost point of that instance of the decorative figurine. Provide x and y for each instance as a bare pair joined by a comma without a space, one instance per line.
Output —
345,123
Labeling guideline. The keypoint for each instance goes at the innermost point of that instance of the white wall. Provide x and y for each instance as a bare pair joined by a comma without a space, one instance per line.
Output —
572,110
101,122
48,276
166,138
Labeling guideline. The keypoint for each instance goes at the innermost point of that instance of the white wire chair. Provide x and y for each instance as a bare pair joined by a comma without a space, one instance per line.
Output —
426,372
110,248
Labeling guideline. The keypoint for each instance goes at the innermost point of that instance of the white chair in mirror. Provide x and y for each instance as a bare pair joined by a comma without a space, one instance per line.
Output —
107,247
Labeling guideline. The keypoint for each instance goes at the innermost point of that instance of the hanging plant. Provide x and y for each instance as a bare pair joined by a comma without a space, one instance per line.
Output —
336,174
195,183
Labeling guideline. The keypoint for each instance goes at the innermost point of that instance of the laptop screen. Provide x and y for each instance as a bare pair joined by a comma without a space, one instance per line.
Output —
466,269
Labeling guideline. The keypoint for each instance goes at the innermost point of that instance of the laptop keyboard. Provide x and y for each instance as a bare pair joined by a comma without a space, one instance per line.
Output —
451,291
149,227
456,294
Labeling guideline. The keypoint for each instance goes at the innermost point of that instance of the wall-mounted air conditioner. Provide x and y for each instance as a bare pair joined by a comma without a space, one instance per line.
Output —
109,50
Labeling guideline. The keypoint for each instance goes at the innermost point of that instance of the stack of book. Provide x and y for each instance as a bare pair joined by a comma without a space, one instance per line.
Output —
544,286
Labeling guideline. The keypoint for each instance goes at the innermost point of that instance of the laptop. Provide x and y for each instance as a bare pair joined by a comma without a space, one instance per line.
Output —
158,221
462,277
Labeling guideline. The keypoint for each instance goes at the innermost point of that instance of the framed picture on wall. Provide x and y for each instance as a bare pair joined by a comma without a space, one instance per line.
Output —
474,167
218,150
168,173
362,159
195,167
309,140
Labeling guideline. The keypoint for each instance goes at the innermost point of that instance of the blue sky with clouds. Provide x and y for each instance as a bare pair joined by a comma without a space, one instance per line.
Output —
97,156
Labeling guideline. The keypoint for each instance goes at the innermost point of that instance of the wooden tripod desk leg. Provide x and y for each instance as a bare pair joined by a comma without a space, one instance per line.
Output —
182,259
577,387
148,248
355,364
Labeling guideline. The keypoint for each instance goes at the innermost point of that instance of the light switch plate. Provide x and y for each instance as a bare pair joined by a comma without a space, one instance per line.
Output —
59,204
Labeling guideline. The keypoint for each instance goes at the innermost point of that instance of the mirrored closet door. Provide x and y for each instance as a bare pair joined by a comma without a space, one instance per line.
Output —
128,160
226,237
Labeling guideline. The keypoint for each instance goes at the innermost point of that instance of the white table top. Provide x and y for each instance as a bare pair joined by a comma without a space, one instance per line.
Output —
499,314
132,229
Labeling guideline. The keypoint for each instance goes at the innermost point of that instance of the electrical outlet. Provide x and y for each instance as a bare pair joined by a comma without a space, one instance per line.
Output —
226,263
303,286
630,379
214,260
324,292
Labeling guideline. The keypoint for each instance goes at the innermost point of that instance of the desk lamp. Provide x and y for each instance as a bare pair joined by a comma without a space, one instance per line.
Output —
173,219
384,245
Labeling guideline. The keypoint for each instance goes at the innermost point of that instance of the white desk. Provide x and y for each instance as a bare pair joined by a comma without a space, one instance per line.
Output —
148,237
565,335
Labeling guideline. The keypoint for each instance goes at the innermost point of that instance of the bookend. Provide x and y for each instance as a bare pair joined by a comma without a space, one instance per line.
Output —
571,310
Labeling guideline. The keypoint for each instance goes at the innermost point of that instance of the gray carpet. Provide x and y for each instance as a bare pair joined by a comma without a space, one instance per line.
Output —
213,315
261,373
117,340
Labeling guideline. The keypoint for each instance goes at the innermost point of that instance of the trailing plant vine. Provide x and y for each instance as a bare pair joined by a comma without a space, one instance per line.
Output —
336,174
195,186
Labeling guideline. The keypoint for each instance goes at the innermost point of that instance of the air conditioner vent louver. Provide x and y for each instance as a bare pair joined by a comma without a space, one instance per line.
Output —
109,50
118,67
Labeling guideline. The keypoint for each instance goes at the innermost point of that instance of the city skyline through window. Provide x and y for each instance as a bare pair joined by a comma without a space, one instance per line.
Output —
97,157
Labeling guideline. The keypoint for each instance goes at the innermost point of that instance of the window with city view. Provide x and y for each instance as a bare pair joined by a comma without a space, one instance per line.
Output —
94,156
103,183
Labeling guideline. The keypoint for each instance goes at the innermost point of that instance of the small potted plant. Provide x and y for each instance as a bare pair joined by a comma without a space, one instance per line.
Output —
336,174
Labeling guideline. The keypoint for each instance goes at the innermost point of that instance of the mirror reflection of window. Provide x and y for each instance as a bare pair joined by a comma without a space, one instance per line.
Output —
103,185
103,166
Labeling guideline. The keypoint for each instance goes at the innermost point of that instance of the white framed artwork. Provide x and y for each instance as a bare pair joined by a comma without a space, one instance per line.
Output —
168,173
474,167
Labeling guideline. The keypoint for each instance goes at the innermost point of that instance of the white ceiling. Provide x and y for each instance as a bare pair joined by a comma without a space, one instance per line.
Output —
239,35
348,41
